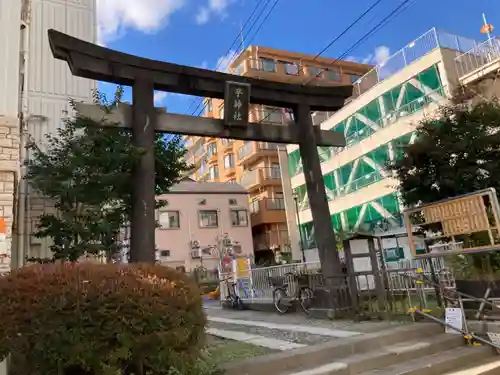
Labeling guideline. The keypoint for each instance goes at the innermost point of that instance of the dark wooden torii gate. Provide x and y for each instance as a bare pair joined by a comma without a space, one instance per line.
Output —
94,62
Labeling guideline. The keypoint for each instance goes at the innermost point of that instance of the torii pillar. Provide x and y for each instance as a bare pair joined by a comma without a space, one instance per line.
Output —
144,76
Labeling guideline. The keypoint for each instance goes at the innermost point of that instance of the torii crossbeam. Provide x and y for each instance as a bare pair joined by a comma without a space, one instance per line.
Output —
91,61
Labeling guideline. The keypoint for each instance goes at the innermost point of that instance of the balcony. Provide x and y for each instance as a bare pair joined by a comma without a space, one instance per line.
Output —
227,145
289,71
267,211
261,177
252,151
272,240
480,62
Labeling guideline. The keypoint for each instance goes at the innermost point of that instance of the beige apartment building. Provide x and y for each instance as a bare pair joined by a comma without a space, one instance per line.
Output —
203,223
255,165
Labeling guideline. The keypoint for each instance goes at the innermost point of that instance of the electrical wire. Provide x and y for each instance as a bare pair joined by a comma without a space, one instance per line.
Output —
390,17
236,39
250,41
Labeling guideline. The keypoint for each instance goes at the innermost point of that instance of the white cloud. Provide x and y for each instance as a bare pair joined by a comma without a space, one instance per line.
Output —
379,55
115,16
213,7
223,62
160,97
382,53
203,16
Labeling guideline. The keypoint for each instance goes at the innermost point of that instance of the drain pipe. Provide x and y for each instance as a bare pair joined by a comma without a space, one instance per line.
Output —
22,183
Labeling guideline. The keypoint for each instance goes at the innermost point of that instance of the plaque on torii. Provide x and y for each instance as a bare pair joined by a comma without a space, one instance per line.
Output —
91,61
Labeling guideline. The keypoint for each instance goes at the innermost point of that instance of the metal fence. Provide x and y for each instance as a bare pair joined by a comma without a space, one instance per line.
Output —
413,51
399,289
479,56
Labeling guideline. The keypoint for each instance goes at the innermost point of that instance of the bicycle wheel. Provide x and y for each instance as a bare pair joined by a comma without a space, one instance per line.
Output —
279,294
306,297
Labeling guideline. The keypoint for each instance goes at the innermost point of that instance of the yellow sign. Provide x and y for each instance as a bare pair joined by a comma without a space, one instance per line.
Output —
468,223
242,267
459,216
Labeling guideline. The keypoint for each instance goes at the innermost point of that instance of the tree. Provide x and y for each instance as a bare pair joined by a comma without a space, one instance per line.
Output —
457,151
85,169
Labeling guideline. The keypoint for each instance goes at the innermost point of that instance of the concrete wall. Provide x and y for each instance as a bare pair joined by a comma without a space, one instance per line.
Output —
177,240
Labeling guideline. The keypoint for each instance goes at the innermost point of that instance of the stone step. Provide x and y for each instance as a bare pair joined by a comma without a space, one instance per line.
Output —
438,363
385,356
336,351
489,368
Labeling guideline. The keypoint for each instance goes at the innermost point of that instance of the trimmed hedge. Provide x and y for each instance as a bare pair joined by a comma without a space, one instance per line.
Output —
84,318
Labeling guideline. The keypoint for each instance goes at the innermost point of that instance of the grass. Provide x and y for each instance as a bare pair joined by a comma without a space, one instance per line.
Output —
223,351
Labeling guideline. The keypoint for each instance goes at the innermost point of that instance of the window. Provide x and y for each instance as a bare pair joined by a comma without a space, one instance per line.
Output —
239,218
291,68
209,106
272,114
354,77
221,112
333,75
231,181
275,171
211,149
268,65
214,172
314,71
164,253
208,219
229,161
169,220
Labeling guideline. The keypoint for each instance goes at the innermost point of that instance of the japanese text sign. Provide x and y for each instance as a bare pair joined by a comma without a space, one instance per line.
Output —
236,103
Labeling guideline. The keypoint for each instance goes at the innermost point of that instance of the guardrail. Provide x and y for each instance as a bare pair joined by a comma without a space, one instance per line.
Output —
479,56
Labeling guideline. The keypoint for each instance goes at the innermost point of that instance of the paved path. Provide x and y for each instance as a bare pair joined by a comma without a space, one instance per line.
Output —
282,331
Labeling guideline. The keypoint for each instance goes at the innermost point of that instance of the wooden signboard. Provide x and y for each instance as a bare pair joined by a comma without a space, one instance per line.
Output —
464,224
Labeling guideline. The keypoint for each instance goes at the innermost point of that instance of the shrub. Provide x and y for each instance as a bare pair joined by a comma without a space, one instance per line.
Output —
83,318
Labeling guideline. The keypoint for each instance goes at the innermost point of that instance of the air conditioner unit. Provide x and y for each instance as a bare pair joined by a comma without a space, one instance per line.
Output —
227,242
237,249
195,254
195,244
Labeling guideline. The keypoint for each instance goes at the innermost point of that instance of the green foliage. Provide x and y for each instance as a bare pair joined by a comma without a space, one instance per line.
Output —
85,169
85,318
456,152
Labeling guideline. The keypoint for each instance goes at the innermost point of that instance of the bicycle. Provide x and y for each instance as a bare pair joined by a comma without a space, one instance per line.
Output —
283,300
233,299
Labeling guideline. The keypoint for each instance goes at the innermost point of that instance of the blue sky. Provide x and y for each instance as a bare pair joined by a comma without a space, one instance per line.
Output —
200,32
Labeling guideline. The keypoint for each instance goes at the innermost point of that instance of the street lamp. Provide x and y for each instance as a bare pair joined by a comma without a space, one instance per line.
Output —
296,200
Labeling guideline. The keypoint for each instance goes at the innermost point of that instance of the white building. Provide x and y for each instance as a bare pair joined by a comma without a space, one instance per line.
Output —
35,90
387,105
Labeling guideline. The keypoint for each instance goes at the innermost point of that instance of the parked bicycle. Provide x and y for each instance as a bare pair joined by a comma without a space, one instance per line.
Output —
289,290
232,298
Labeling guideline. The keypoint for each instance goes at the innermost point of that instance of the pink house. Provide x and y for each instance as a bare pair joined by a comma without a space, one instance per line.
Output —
201,221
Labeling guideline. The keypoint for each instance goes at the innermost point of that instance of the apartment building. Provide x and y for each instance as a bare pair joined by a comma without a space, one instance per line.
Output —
202,223
387,105
255,165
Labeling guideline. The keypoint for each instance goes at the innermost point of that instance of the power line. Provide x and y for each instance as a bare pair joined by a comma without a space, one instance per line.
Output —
391,16
251,39
236,39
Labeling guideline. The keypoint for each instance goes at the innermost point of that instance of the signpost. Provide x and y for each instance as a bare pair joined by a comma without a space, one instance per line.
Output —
466,224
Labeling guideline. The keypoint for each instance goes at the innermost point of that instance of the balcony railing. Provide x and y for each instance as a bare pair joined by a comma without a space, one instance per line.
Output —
479,56
272,240
245,150
413,51
259,175
269,204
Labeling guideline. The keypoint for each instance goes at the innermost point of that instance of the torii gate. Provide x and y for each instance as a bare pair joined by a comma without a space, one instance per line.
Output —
145,76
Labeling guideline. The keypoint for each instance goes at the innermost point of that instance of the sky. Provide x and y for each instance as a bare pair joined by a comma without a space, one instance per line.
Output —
200,32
